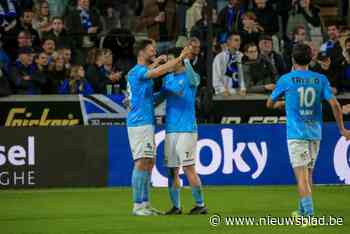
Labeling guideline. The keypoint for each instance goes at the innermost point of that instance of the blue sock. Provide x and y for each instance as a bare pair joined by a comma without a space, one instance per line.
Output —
174,193
301,208
198,196
308,205
146,186
137,184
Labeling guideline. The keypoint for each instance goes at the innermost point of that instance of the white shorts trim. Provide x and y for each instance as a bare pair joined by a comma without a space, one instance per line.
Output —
180,149
303,152
141,140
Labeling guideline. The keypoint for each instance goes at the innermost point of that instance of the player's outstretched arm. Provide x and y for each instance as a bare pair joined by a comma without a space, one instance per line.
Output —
338,115
162,69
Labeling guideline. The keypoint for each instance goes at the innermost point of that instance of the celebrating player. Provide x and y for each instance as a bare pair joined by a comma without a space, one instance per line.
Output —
179,89
304,91
140,121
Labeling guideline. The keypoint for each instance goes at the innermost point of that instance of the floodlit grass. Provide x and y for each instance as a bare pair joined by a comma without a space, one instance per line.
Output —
106,211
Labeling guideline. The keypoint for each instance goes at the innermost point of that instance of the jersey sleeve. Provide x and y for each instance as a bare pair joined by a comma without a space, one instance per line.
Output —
173,85
327,93
193,77
281,88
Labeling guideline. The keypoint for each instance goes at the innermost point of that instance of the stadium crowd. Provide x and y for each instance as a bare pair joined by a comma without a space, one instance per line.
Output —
86,46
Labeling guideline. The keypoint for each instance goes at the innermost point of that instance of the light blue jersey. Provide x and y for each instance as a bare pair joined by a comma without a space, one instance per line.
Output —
140,89
304,92
180,92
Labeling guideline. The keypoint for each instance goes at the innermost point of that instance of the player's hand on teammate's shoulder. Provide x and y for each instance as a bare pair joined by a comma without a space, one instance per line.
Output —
345,133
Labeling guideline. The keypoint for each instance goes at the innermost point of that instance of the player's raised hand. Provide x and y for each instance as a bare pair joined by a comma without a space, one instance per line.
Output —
345,133
186,52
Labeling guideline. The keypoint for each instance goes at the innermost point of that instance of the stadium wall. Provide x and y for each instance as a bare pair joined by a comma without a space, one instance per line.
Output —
100,156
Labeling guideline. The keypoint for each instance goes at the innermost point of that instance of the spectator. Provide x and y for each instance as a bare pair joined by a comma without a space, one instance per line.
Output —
198,60
159,19
24,24
110,17
49,47
99,76
41,20
200,29
5,88
306,14
227,69
5,61
84,24
259,74
76,84
332,47
40,75
266,51
230,17
251,29
67,56
345,72
58,33
266,17
299,36
282,8
323,66
191,16
121,42
57,73
22,72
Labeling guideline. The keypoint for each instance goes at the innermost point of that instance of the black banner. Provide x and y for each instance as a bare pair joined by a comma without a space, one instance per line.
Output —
53,157
33,111
252,109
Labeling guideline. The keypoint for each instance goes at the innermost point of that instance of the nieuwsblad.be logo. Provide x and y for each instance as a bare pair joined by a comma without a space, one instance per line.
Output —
342,160
16,162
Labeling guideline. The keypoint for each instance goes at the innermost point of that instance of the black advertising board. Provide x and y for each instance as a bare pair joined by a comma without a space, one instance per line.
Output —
43,110
53,157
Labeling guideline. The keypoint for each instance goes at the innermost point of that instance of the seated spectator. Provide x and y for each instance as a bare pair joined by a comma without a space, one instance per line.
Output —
266,17
227,69
5,61
58,33
230,17
40,75
323,66
24,24
22,73
110,17
49,47
67,56
307,14
58,72
251,29
24,40
299,36
266,51
41,20
333,47
76,83
259,74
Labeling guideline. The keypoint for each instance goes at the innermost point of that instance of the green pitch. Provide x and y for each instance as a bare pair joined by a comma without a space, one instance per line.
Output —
106,211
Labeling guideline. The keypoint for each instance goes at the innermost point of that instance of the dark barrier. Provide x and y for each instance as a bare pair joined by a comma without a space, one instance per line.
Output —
252,109
53,157
46,110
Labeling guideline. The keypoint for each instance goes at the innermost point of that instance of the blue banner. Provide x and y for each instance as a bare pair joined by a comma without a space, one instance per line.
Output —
237,155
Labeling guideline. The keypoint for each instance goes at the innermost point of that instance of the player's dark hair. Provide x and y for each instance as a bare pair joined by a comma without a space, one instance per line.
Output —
141,45
175,52
302,54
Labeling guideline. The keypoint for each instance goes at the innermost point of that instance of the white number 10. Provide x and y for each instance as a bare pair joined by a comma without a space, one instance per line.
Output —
307,96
